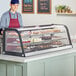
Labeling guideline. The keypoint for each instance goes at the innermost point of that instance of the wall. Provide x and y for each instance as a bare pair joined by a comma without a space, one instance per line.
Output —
4,5
36,19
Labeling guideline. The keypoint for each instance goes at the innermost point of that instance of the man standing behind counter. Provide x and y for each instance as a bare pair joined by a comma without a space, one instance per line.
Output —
11,18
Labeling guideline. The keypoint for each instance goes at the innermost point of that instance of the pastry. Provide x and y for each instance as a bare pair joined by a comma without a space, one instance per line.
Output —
13,33
36,39
23,41
56,43
56,30
35,32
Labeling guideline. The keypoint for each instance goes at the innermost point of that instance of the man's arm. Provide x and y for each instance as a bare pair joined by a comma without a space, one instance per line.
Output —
3,21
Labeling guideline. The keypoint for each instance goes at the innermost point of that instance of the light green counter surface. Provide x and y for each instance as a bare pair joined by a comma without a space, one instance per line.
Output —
60,63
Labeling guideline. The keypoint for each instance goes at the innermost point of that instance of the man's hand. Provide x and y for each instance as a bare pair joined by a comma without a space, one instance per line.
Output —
2,32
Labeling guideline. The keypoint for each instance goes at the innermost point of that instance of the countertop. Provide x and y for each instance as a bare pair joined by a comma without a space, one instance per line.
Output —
37,57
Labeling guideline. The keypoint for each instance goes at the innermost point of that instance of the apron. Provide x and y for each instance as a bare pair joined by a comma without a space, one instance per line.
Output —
14,23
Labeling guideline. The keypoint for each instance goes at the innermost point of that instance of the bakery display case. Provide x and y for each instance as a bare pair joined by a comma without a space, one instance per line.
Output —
33,40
